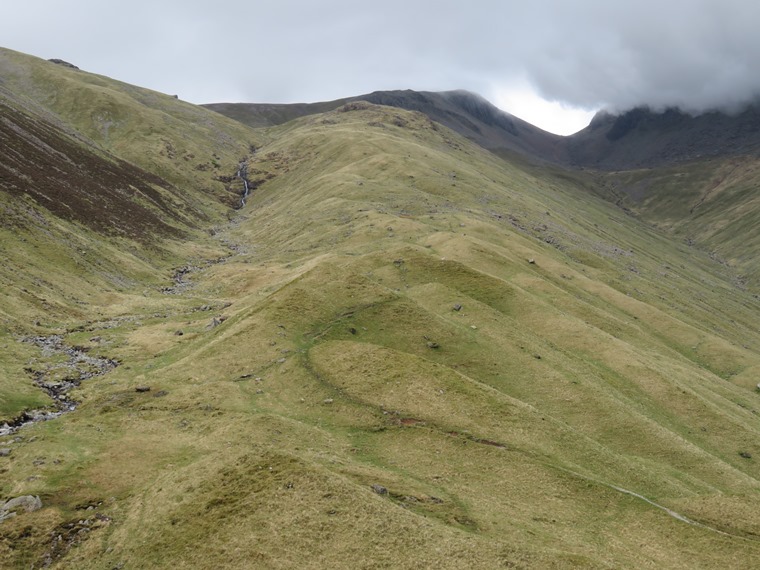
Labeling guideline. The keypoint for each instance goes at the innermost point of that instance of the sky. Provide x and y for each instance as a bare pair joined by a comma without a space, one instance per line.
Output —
553,63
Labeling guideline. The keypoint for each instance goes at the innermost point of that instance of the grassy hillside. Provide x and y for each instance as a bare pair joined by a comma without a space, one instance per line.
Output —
710,204
96,213
184,144
419,355
691,176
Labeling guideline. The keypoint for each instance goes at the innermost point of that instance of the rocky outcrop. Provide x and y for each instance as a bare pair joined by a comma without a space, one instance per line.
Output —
25,503
63,63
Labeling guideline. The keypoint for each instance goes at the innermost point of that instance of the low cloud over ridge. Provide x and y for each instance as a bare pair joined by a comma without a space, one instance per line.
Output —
695,54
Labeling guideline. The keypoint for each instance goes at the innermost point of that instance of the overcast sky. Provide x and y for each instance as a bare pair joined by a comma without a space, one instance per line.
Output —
551,62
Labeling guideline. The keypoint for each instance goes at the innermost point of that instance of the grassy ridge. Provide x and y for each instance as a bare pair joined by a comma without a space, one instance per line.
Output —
494,349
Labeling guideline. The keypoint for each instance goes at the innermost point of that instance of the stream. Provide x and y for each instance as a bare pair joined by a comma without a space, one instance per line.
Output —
56,379
242,173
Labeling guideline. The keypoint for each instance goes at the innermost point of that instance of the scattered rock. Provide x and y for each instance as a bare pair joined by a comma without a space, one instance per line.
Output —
537,356
160,394
328,401
5,452
280,360
457,307
379,489
178,333
532,261
215,322
142,389
352,330
96,339
432,344
745,454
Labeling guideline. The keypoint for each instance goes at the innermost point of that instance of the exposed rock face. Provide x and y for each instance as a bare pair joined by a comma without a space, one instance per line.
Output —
647,138
63,63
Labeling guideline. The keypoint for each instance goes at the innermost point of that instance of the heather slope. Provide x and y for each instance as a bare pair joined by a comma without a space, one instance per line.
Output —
95,211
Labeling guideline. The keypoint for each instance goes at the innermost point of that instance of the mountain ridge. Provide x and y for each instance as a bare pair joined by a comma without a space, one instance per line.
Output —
636,138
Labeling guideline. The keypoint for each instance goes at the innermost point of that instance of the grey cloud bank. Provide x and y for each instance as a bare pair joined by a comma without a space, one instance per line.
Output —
696,54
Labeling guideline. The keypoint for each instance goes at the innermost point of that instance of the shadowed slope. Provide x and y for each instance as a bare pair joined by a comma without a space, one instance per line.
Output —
641,138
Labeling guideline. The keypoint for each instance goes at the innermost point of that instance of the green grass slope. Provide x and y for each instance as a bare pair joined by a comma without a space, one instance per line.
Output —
710,204
105,189
419,356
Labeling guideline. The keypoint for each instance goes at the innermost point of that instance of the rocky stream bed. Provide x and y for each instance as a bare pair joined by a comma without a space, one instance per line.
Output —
61,369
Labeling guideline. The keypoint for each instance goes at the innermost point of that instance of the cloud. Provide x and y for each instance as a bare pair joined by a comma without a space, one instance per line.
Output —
589,54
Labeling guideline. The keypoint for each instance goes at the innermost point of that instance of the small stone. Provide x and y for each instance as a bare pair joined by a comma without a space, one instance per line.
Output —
532,261
5,452
178,333
215,322
745,455
160,394
352,330
328,401
280,360
142,389
379,489
432,344
537,356
457,307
